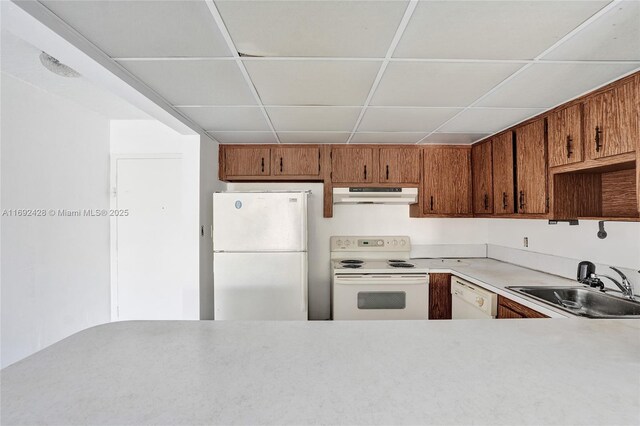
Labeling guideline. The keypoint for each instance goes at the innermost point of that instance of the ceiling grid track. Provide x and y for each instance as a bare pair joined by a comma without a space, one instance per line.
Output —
411,7
535,60
234,51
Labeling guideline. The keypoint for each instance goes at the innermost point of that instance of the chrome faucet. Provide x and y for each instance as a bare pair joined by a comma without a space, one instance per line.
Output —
625,287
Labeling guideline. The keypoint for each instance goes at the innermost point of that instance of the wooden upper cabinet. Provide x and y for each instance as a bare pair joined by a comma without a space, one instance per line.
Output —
400,165
447,181
565,136
482,178
351,164
503,185
246,161
531,166
296,161
611,121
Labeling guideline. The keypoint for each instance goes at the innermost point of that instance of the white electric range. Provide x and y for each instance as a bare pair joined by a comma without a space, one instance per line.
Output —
372,278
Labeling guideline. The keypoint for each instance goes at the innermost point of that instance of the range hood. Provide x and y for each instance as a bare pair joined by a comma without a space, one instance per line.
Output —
360,195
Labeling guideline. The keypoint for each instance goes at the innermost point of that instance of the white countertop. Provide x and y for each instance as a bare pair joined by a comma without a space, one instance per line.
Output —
396,372
495,276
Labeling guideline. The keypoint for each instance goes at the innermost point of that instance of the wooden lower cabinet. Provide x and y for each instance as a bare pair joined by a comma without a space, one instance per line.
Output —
508,309
439,296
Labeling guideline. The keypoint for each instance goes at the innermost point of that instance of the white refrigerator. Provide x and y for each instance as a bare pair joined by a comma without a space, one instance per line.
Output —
260,255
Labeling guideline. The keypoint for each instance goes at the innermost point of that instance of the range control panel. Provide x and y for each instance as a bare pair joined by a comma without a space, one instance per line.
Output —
390,243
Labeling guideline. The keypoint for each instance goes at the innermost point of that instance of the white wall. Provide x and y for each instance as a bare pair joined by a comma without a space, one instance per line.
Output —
620,248
209,184
150,137
55,270
365,220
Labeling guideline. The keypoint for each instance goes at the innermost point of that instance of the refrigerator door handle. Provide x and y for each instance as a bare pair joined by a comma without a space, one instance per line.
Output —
304,285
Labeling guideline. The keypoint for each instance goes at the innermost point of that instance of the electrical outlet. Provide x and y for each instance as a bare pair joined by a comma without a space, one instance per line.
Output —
525,242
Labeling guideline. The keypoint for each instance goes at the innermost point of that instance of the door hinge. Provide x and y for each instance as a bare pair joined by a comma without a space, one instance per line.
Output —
330,175
547,202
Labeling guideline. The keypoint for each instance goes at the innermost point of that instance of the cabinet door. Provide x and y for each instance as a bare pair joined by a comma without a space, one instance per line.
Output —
246,161
447,181
439,296
296,161
503,189
565,136
611,121
531,168
506,313
400,165
511,309
351,165
482,178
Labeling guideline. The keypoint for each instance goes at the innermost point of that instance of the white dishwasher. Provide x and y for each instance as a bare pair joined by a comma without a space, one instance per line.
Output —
469,301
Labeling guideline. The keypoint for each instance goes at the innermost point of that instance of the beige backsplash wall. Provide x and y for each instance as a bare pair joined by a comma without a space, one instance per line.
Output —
620,248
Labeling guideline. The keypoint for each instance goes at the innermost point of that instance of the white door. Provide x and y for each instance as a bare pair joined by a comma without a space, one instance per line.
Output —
260,286
260,221
149,240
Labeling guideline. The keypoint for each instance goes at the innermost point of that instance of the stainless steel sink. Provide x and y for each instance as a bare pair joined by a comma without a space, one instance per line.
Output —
583,301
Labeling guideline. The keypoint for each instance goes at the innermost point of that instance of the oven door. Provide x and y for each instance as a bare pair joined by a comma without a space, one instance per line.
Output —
380,296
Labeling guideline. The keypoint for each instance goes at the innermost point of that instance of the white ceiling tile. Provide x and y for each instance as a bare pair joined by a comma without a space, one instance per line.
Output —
312,28
227,118
144,28
547,85
314,118
244,137
405,119
284,82
490,29
313,137
613,36
454,138
193,82
488,120
438,84
387,137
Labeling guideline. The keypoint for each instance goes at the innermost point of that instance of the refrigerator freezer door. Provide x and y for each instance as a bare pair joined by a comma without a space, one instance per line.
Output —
260,286
259,221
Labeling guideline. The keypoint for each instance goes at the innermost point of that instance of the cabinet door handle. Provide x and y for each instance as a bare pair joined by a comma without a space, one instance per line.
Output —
521,200
569,150
504,200
598,137
280,164
262,165
387,172
365,172
486,201
431,202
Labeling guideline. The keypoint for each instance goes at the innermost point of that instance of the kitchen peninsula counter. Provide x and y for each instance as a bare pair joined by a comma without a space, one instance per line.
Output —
373,372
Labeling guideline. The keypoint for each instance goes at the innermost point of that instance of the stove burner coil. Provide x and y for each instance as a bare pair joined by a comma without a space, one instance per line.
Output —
402,265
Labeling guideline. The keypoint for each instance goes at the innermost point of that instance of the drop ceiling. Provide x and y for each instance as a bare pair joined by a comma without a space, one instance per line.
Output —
362,71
